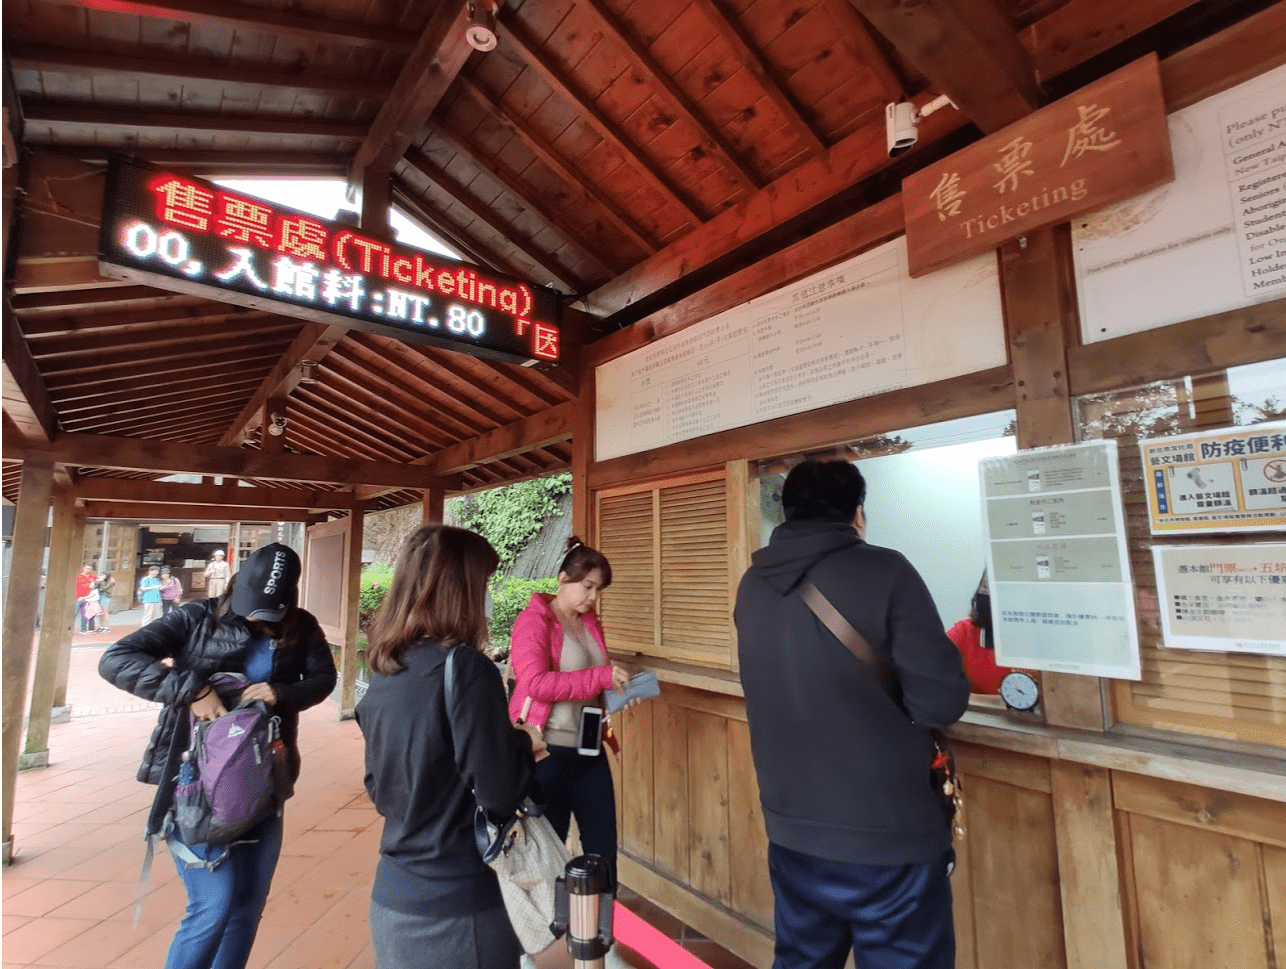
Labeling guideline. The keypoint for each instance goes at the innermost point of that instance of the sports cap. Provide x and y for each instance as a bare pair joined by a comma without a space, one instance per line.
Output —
265,586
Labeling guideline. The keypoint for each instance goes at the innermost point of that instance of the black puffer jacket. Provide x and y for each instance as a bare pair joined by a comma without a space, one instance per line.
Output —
303,674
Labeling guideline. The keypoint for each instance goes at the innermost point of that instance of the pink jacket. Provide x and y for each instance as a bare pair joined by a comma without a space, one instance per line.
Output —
535,650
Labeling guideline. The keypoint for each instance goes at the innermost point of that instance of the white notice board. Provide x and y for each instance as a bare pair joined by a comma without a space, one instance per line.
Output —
1212,240
1057,562
1223,597
862,327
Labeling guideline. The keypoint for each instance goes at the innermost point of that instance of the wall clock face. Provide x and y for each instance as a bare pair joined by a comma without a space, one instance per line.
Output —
1020,690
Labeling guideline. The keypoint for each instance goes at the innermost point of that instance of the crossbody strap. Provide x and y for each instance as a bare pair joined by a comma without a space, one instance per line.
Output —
847,633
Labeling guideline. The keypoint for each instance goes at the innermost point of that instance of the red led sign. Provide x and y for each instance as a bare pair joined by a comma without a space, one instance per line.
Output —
205,239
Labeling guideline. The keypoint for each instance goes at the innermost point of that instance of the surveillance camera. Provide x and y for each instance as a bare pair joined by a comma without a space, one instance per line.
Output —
900,121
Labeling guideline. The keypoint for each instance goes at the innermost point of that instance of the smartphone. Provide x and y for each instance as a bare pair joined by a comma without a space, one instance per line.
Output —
591,731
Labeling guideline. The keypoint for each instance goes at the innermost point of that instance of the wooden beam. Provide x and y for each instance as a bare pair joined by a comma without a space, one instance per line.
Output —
1235,54
56,335
449,186
857,157
857,33
158,511
285,126
216,162
425,77
136,454
1060,40
90,64
968,50
513,184
535,58
483,255
26,398
965,396
35,304
135,492
546,153
53,275
537,431
304,28
715,144
752,59
314,341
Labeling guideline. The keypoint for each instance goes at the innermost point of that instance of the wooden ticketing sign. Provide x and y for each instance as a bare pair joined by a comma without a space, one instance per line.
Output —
1106,142
189,235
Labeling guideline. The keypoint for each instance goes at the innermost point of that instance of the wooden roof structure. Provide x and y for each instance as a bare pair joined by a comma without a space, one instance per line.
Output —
627,152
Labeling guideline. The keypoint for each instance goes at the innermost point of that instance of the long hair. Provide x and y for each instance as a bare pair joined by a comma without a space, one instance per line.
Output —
438,592
580,560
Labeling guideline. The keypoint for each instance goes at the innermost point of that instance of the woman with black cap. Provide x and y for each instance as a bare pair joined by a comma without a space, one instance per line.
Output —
255,628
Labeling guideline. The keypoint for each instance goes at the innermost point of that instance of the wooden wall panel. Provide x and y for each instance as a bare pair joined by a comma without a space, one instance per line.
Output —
748,842
708,868
1250,818
1275,893
1018,920
636,760
962,910
670,803
1198,898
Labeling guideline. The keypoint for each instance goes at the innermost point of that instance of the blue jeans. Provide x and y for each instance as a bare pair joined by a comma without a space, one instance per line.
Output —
224,905
890,916
575,784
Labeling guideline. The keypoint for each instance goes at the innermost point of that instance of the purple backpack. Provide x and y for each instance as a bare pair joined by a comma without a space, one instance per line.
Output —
233,774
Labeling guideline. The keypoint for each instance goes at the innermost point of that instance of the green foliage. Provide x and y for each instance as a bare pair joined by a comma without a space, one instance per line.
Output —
510,517
376,578
509,597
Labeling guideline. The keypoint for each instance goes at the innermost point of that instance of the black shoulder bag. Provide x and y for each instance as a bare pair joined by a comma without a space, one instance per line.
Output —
942,770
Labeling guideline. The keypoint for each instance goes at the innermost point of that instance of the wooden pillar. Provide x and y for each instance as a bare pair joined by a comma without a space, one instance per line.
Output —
1041,323
65,622
20,620
58,596
1089,877
348,658
582,457
434,503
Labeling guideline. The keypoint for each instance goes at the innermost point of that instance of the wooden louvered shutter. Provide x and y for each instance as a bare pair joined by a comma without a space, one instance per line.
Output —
668,545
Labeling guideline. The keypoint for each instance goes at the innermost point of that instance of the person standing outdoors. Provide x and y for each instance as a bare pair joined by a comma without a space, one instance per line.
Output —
84,584
859,844
171,591
149,594
255,629
216,575
106,589
560,665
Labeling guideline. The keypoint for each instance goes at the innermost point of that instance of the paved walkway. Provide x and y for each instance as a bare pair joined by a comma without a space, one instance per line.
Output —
69,897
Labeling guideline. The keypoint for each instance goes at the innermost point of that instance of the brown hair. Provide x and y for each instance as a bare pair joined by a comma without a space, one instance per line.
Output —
581,560
438,592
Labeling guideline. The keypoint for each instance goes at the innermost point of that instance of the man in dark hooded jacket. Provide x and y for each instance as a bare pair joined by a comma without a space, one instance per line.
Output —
860,847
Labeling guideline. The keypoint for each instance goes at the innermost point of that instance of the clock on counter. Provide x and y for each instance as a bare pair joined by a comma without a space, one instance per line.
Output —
1020,691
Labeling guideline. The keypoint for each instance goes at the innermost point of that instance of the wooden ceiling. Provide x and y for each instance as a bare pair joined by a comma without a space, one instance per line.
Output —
625,152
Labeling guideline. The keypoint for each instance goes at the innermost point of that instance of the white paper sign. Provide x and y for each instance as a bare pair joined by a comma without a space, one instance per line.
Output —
1230,598
862,327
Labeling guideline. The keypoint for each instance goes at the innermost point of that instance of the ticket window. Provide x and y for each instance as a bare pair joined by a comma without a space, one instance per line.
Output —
923,498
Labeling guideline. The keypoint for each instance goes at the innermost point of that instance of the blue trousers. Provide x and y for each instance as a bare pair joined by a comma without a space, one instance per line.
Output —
224,905
574,784
890,916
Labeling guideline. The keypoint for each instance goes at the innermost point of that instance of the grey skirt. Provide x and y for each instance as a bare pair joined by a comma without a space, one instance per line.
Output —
481,940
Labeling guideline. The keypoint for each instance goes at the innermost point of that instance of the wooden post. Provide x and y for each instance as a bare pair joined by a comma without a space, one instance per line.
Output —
1041,322
348,658
583,457
20,620
57,594
434,503
64,623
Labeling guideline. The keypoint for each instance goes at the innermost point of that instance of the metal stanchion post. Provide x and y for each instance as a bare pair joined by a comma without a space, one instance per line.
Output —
583,910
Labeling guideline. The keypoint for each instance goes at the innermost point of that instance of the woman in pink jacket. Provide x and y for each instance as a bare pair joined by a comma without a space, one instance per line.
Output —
560,665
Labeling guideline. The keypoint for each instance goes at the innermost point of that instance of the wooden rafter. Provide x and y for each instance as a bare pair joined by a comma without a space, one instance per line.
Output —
513,184
79,299
26,399
855,31
967,50
536,59
286,126
314,341
715,143
299,27
774,88
148,511
448,185
425,77
94,63
405,198
44,330
224,161
546,153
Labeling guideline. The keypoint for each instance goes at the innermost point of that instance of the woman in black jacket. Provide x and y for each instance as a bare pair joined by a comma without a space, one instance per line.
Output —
434,903
255,629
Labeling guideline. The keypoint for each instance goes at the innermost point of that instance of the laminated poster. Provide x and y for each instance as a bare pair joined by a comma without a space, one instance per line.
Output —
1230,598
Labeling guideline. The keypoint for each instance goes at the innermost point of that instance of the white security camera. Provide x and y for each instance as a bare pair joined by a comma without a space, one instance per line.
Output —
900,120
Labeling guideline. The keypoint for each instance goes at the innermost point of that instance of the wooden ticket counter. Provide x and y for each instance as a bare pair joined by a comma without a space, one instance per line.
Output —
1127,823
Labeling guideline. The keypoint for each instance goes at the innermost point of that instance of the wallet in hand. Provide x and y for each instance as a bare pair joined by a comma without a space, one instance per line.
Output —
643,686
